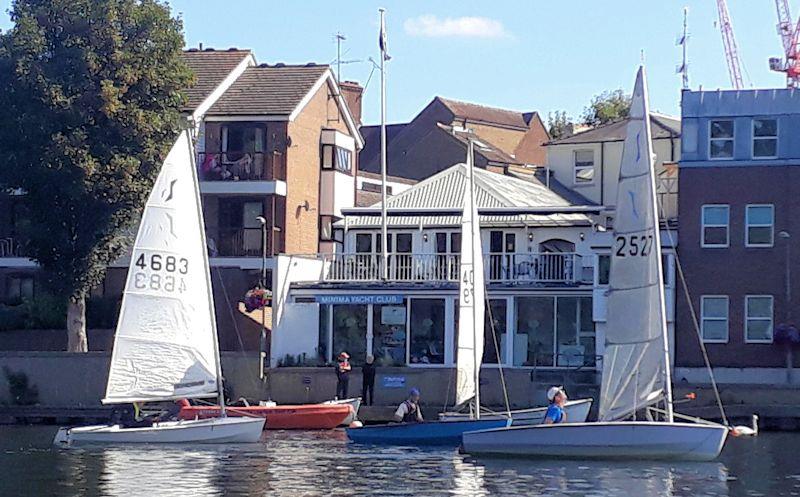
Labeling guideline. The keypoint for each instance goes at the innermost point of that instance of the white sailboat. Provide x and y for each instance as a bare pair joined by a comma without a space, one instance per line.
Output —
165,346
636,371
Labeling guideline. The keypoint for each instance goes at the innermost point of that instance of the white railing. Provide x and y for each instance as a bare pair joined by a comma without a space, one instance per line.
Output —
10,247
507,268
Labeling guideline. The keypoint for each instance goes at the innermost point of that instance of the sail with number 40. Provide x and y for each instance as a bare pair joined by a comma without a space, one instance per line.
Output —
635,369
165,344
471,291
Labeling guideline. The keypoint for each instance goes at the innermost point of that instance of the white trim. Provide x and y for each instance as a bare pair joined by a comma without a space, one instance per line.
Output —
336,137
732,139
241,262
246,187
703,319
248,61
747,227
753,138
247,118
17,262
703,227
757,318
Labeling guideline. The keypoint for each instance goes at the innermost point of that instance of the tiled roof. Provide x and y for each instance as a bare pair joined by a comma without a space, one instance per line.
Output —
210,68
445,190
372,140
662,127
268,90
483,147
395,179
482,113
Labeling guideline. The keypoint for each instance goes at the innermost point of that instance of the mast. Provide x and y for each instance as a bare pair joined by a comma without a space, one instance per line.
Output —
384,230
207,268
471,167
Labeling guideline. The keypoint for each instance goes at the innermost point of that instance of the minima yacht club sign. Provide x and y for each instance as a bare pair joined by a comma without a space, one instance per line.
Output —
359,299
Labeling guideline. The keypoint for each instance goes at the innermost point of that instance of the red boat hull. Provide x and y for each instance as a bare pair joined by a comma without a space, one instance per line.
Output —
297,417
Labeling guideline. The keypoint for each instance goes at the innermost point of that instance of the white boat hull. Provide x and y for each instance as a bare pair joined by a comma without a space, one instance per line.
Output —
577,412
201,431
602,440
355,403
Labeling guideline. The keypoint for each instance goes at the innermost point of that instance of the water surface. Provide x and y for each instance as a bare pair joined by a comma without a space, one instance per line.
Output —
294,464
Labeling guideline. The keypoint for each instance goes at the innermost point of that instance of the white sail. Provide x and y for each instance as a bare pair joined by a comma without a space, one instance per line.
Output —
165,344
635,372
472,294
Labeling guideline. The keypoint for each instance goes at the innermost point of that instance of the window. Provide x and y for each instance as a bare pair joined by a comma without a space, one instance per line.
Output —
19,288
389,334
375,188
554,331
758,319
720,136
759,220
765,138
338,158
715,220
350,331
584,167
603,268
494,320
714,318
427,331
326,228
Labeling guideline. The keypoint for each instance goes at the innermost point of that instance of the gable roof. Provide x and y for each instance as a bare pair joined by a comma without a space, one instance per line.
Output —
483,147
445,190
210,67
662,127
491,115
268,90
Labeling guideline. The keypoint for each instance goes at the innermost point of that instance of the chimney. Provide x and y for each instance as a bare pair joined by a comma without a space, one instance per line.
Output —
352,93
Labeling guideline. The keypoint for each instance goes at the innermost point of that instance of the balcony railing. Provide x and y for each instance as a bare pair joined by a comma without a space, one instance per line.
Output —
241,166
234,242
500,268
10,247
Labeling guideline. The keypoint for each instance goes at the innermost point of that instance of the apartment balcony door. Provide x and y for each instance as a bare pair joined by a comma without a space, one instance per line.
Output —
448,255
502,247
239,232
399,247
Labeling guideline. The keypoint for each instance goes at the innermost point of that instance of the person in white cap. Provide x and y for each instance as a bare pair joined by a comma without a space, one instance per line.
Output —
555,411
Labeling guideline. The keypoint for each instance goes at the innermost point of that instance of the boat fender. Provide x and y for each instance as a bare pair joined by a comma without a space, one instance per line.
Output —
356,424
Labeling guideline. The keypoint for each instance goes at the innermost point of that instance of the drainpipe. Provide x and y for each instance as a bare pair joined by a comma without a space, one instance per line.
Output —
602,171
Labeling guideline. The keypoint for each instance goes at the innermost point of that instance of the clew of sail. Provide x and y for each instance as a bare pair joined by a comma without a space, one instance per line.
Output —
471,291
165,344
635,373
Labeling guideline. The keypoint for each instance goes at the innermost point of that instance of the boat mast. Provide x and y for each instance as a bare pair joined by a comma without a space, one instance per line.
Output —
207,270
471,174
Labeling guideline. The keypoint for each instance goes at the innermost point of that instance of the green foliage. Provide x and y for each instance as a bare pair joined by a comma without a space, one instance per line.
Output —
607,107
91,98
22,392
48,312
559,125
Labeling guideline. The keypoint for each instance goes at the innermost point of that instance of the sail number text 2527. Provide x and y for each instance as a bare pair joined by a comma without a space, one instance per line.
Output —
633,245
159,272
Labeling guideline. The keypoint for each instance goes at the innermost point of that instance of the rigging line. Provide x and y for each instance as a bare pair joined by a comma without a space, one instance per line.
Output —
497,353
696,325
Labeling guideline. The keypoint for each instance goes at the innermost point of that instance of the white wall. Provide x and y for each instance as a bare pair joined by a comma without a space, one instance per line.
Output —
297,332
287,270
337,192
395,186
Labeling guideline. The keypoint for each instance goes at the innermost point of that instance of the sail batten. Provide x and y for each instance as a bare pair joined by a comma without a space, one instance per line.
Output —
164,346
636,372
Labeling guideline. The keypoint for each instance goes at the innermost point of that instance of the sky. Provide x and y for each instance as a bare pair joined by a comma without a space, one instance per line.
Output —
530,55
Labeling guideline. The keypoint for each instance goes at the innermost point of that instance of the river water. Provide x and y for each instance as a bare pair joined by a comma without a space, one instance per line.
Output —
295,464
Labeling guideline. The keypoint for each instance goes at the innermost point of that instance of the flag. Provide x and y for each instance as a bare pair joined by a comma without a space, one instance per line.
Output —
382,41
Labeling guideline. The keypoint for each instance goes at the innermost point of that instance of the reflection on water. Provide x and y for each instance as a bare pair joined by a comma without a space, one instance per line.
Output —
324,463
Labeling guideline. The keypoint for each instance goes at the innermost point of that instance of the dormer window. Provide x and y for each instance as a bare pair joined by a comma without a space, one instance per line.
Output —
720,139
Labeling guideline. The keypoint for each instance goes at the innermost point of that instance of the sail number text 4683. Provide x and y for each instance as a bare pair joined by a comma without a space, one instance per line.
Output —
160,273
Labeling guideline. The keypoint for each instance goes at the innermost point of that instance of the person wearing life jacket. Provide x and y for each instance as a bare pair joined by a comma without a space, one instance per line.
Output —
343,369
409,411
555,411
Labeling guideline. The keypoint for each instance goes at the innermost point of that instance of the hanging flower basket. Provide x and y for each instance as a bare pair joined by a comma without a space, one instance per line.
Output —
786,334
257,298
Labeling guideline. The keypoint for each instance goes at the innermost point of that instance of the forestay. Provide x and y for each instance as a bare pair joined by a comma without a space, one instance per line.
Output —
635,372
165,344
471,294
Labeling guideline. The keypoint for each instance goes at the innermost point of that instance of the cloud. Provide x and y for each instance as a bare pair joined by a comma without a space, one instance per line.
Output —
467,27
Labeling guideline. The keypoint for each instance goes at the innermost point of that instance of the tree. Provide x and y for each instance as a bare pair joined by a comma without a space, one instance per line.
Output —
606,107
91,98
559,125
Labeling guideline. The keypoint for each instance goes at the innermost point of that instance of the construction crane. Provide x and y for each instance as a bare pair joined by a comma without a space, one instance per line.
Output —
789,33
729,42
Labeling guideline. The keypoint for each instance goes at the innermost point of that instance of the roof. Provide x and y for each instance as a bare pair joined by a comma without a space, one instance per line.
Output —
483,147
445,190
394,179
372,139
662,127
268,90
210,67
482,113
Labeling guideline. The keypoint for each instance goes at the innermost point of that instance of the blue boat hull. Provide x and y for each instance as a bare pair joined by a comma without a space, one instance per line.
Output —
428,433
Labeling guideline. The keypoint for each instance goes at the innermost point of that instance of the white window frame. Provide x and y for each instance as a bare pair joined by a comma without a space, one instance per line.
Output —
753,138
575,167
732,139
703,227
704,318
747,227
747,318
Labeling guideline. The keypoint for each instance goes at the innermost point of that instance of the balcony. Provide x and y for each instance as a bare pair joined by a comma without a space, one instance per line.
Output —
235,242
518,268
237,173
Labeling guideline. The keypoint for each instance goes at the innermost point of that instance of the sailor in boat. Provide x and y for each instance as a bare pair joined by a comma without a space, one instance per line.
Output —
555,411
342,375
409,411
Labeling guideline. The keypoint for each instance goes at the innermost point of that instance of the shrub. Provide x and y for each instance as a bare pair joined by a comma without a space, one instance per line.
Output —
22,392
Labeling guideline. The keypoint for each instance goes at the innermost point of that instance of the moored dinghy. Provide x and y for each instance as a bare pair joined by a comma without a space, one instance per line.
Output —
577,411
165,346
636,372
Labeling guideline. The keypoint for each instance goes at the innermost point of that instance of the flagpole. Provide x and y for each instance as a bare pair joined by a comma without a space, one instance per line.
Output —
384,230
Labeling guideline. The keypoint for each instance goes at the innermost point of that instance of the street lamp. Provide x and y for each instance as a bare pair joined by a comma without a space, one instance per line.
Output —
263,337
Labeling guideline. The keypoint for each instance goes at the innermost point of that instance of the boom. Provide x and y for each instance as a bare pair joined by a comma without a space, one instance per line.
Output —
729,42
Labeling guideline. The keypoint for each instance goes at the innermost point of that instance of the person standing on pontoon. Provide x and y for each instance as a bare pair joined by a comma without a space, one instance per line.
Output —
343,369
555,411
